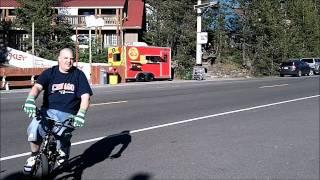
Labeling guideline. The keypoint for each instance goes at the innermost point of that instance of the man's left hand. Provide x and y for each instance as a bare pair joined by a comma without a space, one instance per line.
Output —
79,119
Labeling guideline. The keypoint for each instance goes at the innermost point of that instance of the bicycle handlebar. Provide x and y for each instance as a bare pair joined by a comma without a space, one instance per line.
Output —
66,123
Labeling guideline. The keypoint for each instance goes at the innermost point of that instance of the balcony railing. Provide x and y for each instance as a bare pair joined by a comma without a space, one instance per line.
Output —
79,20
8,18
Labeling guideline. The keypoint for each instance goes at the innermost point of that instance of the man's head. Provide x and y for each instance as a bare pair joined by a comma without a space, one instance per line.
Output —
65,60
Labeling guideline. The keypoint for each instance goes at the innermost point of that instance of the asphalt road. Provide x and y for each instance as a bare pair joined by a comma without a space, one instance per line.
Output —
244,129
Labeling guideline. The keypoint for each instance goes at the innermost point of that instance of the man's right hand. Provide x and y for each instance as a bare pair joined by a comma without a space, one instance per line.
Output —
30,106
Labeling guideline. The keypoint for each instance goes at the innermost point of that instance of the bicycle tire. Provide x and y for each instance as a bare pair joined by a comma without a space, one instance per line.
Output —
42,169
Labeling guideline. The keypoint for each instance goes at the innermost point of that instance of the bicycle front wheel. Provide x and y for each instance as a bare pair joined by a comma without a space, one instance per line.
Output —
42,168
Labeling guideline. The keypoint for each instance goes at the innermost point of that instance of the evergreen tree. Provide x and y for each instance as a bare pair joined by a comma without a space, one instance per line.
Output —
222,24
52,32
5,27
277,30
270,31
173,24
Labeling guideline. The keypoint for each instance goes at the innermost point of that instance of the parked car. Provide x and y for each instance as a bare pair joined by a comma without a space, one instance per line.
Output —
314,64
294,68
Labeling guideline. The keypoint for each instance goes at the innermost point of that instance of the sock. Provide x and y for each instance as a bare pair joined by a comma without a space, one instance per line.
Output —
34,153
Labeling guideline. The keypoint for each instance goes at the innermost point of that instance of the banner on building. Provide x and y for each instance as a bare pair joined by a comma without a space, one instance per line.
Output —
22,59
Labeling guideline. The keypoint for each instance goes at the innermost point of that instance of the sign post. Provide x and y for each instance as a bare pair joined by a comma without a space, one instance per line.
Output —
202,38
91,21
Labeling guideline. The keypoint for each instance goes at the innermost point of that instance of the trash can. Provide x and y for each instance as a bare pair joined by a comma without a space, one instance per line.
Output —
103,76
113,79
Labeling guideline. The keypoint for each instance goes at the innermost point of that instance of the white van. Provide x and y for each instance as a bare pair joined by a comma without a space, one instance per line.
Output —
314,64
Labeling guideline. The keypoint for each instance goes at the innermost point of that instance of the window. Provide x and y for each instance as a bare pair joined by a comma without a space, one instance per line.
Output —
287,63
108,11
111,40
165,58
116,57
153,59
86,12
11,12
297,63
308,60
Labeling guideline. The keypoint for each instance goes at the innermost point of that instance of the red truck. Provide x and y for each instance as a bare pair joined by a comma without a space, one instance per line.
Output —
140,63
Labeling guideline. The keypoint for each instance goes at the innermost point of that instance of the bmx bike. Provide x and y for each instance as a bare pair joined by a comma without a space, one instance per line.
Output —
45,160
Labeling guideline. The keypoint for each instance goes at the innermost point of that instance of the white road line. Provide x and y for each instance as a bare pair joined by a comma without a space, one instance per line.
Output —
178,122
15,91
279,85
15,156
97,104
115,102
221,114
13,98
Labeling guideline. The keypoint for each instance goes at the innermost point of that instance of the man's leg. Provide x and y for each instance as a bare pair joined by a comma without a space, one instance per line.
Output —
35,146
63,147
35,143
64,135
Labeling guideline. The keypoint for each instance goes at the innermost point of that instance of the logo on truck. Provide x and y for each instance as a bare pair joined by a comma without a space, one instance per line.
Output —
133,53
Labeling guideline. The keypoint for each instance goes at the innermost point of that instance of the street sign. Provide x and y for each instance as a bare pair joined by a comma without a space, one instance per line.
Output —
202,37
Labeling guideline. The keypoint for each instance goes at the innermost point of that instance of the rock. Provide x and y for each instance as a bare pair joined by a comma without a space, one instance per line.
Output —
221,70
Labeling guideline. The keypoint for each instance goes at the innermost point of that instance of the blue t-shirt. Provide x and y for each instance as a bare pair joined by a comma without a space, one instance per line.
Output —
62,91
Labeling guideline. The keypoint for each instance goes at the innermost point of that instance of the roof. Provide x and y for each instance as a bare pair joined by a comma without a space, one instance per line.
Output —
9,3
74,3
135,14
92,3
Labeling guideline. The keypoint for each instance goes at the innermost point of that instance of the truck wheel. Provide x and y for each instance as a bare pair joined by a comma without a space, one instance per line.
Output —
140,77
149,77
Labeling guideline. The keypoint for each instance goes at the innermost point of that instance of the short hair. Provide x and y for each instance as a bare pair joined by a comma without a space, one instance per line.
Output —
65,50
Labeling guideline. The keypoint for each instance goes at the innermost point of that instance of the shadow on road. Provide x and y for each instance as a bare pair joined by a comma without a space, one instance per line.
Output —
96,153
16,175
141,176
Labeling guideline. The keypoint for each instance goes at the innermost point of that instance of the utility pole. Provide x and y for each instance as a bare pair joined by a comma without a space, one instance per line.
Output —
92,21
198,50
77,46
32,38
33,63
202,38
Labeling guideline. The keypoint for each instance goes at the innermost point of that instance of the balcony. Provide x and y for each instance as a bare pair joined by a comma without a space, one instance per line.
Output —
8,18
79,20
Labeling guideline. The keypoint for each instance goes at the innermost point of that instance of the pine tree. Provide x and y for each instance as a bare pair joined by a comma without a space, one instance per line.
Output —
173,24
52,32
278,30
271,31
5,28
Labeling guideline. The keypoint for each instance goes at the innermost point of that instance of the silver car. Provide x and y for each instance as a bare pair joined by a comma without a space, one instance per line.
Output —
314,64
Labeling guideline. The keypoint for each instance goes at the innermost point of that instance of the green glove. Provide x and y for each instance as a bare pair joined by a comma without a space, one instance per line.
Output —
79,118
30,106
